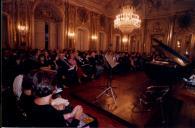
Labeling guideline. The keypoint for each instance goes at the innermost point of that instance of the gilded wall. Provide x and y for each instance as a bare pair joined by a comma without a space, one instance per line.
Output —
76,26
172,21
64,20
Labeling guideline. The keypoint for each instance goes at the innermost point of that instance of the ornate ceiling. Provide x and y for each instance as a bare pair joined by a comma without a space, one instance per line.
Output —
145,8
107,7
46,11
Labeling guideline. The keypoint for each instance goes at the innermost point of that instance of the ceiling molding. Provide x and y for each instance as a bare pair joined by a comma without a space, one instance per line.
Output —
90,5
146,8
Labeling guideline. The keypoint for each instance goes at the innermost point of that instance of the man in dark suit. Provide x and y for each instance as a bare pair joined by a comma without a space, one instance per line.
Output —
65,73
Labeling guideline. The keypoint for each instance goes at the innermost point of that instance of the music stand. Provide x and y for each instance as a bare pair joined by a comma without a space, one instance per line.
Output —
109,87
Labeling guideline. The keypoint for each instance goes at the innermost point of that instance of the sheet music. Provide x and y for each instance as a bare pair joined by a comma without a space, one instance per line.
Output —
111,60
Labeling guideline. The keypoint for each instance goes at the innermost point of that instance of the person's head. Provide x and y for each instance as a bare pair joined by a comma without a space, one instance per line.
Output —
71,56
76,53
93,54
46,53
18,59
27,85
61,56
43,85
37,52
41,58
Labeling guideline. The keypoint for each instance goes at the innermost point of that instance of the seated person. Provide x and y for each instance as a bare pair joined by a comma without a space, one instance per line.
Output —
47,111
26,97
97,68
42,61
17,86
99,64
84,64
73,62
66,70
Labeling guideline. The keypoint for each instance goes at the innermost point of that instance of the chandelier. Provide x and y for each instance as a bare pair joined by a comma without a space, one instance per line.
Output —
126,21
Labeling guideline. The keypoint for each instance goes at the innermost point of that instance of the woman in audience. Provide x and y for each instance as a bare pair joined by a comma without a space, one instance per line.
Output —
26,97
70,65
49,112
83,63
18,66
73,63
17,86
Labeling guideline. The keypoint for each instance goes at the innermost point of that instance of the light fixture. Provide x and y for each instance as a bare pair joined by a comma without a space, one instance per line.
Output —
126,21
22,28
71,34
94,37
125,39
187,53
178,44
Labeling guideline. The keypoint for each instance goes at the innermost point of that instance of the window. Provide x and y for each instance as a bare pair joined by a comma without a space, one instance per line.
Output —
46,36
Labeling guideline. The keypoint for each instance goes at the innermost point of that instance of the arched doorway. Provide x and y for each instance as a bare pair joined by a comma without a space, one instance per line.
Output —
82,41
47,26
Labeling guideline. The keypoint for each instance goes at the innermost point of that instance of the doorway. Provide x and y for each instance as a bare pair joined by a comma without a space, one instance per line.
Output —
46,36
48,26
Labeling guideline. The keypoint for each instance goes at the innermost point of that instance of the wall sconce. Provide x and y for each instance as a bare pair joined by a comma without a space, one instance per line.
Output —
125,39
71,34
187,53
71,39
22,28
178,44
94,37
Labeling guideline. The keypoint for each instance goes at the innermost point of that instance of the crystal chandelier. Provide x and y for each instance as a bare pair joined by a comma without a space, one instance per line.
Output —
127,20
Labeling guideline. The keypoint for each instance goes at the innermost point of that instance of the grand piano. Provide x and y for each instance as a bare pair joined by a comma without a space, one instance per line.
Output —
170,67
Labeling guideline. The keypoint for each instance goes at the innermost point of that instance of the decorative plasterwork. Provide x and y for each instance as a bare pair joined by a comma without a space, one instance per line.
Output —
83,15
44,11
148,8
187,29
89,4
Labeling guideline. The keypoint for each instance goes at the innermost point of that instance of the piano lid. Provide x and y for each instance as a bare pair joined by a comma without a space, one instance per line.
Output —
169,52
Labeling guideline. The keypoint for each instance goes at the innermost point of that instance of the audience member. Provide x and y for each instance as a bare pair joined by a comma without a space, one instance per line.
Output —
47,111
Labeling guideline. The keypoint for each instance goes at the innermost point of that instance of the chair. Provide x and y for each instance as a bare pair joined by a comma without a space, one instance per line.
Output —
188,83
152,96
